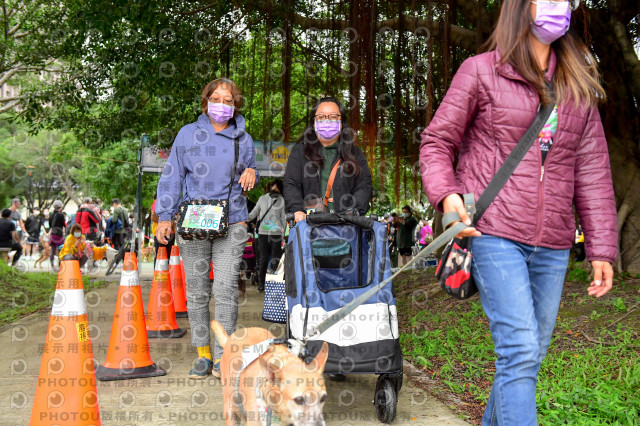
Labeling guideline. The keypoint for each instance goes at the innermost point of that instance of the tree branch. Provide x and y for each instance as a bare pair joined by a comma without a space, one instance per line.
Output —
9,106
10,73
459,36
628,55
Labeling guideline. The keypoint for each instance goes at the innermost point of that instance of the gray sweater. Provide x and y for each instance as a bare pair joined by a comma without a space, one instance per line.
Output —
273,222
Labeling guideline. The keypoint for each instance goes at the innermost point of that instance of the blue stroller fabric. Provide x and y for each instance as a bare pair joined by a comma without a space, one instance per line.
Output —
326,266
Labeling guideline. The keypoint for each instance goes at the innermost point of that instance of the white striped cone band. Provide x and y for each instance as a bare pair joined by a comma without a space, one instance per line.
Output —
67,303
129,279
162,265
174,260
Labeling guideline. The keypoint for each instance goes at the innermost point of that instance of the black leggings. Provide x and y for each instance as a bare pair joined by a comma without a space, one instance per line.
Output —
268,245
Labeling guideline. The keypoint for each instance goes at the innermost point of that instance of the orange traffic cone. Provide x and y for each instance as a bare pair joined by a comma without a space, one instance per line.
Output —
177,283
66,389
161,315
184,279
128,355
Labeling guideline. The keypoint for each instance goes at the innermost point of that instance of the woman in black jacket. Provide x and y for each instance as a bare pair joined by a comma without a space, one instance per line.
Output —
327,141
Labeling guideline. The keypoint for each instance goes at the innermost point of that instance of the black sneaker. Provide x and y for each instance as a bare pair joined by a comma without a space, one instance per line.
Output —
337,377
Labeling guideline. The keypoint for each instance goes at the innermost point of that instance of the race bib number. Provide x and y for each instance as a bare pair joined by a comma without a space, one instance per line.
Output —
203,217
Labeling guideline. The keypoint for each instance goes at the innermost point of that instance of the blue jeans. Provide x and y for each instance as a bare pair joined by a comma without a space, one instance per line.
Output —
520,288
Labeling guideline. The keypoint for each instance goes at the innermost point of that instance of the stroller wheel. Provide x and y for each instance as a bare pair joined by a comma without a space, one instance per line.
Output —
385,399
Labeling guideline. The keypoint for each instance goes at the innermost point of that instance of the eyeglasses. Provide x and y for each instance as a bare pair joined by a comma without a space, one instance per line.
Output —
220,100
573,4
325,117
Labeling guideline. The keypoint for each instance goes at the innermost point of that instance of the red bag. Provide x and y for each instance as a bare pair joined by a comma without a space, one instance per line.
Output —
454,269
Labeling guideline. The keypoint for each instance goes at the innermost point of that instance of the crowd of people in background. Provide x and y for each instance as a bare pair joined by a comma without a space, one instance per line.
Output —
51,233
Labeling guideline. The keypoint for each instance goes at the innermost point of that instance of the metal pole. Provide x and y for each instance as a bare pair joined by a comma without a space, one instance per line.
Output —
138,208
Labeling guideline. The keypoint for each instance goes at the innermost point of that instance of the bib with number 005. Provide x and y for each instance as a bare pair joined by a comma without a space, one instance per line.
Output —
203,219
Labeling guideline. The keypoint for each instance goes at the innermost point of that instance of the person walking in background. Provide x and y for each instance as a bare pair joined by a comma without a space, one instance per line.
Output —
88,217
56,234
326,149
45,220
426,233
119,213
34,227
9,236
16,217
269,211
521,244
104,216
203,166
405,235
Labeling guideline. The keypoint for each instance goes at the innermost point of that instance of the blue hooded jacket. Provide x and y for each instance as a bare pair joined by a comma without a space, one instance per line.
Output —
199,167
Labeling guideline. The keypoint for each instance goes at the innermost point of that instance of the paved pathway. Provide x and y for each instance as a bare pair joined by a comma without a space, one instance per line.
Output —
174,399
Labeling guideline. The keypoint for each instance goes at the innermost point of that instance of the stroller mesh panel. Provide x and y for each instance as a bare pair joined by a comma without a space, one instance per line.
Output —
342,258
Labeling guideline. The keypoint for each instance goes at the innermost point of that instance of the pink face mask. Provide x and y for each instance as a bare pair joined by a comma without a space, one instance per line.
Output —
328,129
219,112
552,20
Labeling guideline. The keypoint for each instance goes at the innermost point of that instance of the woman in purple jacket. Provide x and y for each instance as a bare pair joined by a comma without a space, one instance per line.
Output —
200,167
521,244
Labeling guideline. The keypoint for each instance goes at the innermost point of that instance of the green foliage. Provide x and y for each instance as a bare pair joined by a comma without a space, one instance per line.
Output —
22,153
577,274
584,384
22,293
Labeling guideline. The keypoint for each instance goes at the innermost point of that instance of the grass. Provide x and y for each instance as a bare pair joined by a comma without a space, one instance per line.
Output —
23,293
591,375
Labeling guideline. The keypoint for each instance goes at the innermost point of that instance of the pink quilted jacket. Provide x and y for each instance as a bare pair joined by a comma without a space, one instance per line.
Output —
487,109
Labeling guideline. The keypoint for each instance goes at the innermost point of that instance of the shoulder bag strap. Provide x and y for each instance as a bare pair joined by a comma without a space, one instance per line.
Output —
516,156
332,177
264,215
236,150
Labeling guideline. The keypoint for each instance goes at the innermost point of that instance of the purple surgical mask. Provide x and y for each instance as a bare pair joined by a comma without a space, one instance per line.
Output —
552,20
220,113
328,129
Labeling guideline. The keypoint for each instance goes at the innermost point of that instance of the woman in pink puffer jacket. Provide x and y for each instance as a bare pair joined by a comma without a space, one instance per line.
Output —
521,244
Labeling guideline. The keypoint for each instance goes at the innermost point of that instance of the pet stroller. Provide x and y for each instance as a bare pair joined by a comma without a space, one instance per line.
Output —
330,259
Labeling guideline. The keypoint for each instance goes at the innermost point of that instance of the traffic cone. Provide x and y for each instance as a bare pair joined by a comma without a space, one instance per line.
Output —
66,390
128,356
161,315
177,283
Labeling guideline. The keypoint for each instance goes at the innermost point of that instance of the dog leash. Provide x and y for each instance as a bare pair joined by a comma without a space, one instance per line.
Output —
442,239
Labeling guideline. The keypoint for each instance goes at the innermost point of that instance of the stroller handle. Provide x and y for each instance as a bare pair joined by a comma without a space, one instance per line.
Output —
337,218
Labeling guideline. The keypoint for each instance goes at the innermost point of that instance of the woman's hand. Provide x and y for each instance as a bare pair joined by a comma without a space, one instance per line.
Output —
247,179
163,231
602,278
454,203
300,216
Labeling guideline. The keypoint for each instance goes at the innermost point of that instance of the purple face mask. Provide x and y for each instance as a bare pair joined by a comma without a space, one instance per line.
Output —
552,20
327,130
220,113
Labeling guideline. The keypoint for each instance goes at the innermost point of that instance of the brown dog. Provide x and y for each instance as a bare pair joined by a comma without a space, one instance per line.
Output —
294,391
44,253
